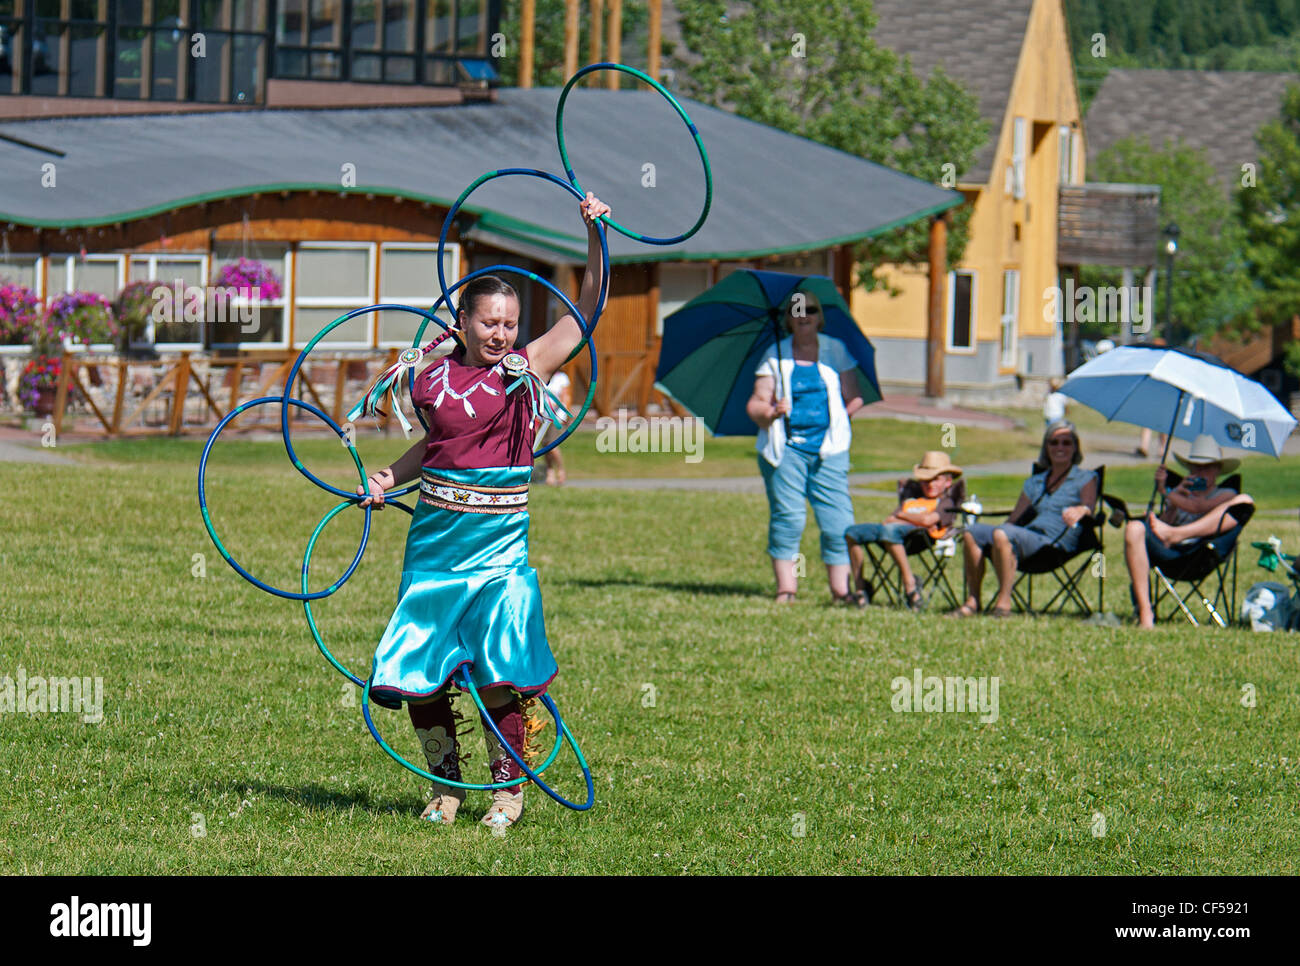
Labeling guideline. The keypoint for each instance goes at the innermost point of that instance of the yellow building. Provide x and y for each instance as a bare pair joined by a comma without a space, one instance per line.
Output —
1014,56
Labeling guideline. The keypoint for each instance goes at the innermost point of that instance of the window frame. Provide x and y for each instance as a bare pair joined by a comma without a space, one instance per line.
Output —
414,300
949,346
1010,320
153,258
331,301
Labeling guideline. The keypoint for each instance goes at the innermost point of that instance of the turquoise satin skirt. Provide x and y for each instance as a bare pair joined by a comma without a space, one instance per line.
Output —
467,596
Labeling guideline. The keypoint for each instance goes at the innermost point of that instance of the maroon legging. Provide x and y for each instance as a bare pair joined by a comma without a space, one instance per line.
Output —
509,720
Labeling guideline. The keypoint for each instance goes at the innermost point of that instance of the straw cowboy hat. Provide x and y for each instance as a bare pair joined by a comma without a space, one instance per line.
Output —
933,463
1205,451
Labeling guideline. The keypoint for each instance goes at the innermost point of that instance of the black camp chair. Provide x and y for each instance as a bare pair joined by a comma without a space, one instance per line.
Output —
1211,560
1060,565
927,555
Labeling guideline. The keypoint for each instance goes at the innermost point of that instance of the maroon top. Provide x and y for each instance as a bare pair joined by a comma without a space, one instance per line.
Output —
500,433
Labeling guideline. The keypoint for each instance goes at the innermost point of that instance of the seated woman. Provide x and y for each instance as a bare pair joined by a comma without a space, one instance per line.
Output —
1197,508
927,500
1060,493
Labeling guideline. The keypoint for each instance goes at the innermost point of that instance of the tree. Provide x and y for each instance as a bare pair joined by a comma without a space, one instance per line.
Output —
548,40
1212,286
1270,212
810,67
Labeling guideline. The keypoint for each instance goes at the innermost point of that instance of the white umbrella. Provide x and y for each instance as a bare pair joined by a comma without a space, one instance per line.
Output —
1182,393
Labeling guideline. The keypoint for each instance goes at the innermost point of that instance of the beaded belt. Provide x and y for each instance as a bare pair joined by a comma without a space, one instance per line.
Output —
472,497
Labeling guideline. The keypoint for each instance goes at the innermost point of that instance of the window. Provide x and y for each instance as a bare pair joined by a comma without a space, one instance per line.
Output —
678,284
94,273
231,69
1068,149
183,274
1019,149
812,263
408,275
259,326
333,278
21,269
383,40
1010,315
961,311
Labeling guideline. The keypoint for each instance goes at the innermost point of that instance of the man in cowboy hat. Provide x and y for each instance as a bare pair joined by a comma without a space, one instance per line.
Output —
927,500
1196,509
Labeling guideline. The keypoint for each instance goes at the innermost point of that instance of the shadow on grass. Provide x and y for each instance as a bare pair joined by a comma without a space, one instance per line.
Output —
714,589
316,796
319,796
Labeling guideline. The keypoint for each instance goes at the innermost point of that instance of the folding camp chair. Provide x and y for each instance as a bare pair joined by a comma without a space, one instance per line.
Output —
1058,563
928,557
1211,559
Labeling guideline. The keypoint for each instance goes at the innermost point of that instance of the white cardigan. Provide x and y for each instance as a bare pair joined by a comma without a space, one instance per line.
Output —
832,359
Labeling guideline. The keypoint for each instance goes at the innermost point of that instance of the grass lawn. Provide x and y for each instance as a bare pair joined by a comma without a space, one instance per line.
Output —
878,444
770,744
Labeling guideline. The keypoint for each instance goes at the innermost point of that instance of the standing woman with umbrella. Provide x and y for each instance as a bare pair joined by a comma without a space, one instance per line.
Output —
805,393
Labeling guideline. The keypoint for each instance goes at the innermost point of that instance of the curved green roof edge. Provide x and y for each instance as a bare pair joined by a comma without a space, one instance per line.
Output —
495,221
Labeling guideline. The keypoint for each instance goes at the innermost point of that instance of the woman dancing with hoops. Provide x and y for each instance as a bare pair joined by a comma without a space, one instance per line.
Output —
468,594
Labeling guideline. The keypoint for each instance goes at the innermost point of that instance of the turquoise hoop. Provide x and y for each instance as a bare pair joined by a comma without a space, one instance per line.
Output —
690,126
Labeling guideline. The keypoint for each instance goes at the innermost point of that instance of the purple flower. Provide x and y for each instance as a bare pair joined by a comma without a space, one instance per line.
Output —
252,279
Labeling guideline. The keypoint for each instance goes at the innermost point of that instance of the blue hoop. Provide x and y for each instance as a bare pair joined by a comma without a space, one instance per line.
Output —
560,726
471,786
587,328
302,357
533,276
207,519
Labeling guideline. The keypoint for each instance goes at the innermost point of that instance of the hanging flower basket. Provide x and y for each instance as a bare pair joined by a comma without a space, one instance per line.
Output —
251,279
132,309
79,319
20,311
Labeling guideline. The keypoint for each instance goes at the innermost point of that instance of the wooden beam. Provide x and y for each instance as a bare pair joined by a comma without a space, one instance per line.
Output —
656,38
594,39
527,26
614,46
570,38
61,392
180,388
934,339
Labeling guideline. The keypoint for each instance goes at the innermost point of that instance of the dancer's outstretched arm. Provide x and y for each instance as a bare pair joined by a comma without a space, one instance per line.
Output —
548,351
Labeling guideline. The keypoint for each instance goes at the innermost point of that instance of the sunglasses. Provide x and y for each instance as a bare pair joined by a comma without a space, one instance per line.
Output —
810,310
1060,442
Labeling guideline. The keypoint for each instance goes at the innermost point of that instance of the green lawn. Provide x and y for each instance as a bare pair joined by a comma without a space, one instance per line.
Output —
878,444
220,714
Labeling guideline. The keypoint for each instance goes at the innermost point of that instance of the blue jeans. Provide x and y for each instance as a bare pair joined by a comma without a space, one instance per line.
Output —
861,533
1024,542
822,482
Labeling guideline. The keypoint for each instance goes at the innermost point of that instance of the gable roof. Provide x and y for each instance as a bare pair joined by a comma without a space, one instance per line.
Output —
773,192
1219,111
978,42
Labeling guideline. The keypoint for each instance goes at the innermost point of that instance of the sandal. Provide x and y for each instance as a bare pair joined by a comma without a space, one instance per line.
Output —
999,612
915,602
965,610
785,597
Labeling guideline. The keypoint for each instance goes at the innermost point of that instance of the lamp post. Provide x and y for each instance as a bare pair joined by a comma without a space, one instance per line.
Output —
1171,249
